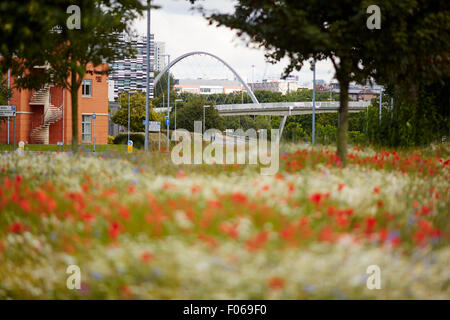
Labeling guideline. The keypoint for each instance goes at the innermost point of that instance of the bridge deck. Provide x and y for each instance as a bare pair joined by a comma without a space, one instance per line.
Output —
286,108
283,108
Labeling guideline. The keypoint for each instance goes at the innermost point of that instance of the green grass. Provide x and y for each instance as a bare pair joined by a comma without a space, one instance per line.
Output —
54,147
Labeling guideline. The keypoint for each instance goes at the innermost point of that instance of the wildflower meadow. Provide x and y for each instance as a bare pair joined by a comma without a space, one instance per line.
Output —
140,227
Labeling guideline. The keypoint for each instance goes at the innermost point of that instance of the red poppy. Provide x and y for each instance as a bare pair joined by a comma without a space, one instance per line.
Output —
25,205
276,283
195,189
146,257
382,235
126,291
376,190
316,198
114,229
420,238
331,210
214,204
342,221
16,227
41,196
257,241
51,205
239,197
326,234
131,189
370,224
124,212
425,210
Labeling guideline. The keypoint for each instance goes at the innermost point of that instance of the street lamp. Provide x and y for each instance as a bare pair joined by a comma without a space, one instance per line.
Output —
379,108
179,100
253,73
204,118
147,91
314,104
128,116
129,93
168,97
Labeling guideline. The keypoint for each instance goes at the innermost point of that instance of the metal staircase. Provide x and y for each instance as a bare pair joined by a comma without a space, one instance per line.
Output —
52,114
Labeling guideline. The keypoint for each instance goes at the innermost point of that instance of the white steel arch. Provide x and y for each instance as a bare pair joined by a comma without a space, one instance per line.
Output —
172,63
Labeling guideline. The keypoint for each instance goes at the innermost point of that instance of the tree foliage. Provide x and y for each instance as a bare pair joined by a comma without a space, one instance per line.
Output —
137,111
36,33
192,110
413,37
5,92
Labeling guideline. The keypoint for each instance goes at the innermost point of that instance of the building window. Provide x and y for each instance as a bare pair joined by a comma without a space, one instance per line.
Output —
86,121
86,88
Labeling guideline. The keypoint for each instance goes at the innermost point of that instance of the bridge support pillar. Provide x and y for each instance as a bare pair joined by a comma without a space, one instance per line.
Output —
282,123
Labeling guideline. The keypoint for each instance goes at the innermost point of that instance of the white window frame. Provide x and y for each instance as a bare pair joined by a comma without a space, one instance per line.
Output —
83,85
86,119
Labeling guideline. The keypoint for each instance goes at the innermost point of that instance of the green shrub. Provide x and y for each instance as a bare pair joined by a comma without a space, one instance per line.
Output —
357,137
294,132
326,134
137,138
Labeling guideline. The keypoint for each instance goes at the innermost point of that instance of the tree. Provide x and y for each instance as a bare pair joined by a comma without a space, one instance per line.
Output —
294,132
137,112
67,43
312,30
161,87
5,92
192,110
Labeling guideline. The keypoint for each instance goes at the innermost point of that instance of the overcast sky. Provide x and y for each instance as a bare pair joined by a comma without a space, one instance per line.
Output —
185,30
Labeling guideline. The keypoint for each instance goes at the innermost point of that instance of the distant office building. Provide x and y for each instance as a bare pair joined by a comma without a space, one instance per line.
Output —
129,74
321,82
205,86
290,78
160,59
359,92
283,86
110,90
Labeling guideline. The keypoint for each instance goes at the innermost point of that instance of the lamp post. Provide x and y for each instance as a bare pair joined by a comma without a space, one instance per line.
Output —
94,116
253,73
128,116
168,99
314,104
379,107
179,100
9,87
63,98
204,119
147,85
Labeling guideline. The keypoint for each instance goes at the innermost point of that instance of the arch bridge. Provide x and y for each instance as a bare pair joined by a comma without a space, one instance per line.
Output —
284,109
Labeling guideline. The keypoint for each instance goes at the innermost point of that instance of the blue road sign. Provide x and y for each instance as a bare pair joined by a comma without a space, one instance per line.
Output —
94,116
143,122
130,143
167,122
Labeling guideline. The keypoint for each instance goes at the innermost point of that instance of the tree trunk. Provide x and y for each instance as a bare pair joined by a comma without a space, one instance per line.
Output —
342,135
74,95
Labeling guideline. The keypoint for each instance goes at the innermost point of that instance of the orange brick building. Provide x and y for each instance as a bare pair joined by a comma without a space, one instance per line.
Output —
40,114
